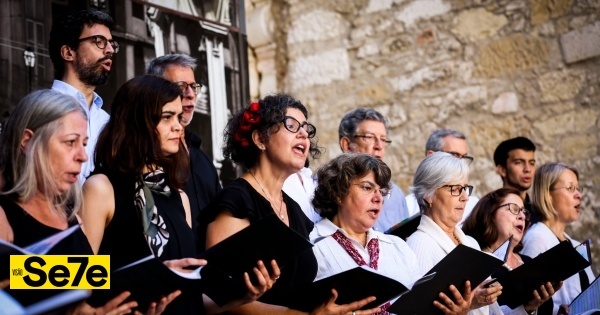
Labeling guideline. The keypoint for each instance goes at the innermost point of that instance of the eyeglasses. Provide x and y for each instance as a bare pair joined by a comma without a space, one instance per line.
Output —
371,139
369,188
184,86
570,189
456,190
468,158
101,42
515,209
293,125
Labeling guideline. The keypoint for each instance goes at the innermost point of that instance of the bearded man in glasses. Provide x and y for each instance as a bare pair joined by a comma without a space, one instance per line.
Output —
81,48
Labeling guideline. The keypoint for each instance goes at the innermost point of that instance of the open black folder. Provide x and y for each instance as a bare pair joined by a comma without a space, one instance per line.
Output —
267,239
39,248
406,227
351,285
148,280
461,264
554,265
222,278
587,300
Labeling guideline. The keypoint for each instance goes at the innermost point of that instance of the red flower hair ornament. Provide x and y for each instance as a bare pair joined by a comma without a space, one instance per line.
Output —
249,118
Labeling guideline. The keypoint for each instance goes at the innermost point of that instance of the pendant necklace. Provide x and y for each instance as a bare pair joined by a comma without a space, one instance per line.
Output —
281,216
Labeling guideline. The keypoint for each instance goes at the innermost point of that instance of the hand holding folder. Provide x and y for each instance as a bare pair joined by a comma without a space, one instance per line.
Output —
267,239
352,285
554,265
461,264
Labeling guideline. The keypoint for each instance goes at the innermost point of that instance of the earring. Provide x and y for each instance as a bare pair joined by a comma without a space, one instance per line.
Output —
261,147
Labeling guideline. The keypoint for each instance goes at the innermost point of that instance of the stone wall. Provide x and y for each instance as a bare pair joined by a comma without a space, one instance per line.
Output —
492,69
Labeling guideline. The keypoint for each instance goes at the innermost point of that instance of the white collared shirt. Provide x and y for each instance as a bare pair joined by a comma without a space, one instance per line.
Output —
97,118
396,260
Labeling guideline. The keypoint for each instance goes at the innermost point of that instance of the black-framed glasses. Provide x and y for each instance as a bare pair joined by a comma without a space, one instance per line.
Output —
465,157
371,139
515,209
293,125
570,189
456,190
369,188
101,42
196,87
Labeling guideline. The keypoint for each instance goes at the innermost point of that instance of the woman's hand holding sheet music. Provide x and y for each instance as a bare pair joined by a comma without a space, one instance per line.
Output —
330,308
541,295
112,307
265,281
460,305
485,296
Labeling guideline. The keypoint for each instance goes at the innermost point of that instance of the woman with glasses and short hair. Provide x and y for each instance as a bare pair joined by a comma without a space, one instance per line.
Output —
441,188
272,139
496,217
556,199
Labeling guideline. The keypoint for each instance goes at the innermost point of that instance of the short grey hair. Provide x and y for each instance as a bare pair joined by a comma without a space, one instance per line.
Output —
22,174
435,171
353,118
158,65
435,142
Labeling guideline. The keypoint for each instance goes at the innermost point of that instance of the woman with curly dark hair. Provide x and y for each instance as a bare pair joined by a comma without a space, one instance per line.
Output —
272,139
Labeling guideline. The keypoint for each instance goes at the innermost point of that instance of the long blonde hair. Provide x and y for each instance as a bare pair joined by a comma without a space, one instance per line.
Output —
22,175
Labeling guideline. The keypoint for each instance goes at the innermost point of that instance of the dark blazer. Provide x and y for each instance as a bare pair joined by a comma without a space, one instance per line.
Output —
203,183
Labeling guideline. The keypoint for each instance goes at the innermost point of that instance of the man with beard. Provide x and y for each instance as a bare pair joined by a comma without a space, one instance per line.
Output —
203,183
515,163
81,48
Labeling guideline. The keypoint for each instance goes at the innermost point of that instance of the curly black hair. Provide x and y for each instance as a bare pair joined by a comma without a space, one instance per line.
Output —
272,110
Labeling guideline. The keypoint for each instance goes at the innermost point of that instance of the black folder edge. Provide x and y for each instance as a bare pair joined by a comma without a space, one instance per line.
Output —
560,262
583,302
38,248
461,264
135,279
352,285
406,227
266,239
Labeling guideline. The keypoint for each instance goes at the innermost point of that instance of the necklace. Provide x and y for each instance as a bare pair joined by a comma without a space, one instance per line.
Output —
281,216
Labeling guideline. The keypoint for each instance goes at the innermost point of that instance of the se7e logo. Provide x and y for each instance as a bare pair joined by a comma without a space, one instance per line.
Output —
59,272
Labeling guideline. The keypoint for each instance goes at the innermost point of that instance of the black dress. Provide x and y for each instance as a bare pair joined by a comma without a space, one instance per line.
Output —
244,202
27,231
125,242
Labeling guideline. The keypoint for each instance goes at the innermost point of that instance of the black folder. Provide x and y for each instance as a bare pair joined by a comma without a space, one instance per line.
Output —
39,248
461,264
351,285
148,280
587,300
556,264
406,227
267,239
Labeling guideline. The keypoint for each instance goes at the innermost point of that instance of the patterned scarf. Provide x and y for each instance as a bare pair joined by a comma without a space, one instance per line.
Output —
155,229
372,248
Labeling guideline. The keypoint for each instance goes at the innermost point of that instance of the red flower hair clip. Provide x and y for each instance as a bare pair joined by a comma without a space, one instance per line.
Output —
249,117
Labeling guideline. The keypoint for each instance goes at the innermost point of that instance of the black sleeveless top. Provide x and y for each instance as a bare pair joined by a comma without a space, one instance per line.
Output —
124,236
244,202
27,231
125,242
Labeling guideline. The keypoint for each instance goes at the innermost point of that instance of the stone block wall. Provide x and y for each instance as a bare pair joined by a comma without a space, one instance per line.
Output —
493,69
